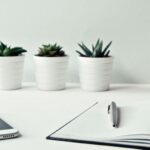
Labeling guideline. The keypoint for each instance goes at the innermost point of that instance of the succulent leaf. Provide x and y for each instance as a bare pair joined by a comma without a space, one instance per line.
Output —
17,51
1,53
93,47
8,51
80,54
97,43
107,54
96,51
2,46
85,49
107,46
51,50
99,48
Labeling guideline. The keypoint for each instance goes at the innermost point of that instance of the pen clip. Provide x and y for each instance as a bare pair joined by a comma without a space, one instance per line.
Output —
108,110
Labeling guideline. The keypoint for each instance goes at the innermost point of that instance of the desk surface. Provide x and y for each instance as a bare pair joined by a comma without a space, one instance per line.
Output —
37,113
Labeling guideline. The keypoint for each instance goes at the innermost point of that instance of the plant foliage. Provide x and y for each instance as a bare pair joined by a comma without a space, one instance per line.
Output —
96,51
9,51
51,50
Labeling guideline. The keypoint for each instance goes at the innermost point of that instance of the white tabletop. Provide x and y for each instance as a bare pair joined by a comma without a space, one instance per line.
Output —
37,113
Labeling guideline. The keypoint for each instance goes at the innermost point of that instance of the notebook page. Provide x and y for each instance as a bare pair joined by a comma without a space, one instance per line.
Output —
95,124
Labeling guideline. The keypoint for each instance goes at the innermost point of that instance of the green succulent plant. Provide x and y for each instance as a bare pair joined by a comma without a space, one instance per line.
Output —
9,51
51,50
96,51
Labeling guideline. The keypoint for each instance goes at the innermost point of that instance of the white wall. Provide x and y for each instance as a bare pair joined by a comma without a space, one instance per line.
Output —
29,23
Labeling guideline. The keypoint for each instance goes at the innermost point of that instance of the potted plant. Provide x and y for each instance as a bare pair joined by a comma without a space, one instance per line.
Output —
51,67
95,66
11,67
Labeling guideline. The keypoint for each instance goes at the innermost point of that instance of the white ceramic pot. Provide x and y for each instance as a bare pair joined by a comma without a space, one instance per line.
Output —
51,72
11,72
95,73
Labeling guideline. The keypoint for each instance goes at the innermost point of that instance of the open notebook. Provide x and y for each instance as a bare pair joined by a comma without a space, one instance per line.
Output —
93,127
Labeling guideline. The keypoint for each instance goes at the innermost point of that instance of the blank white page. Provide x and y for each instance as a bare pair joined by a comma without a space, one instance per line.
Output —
95,123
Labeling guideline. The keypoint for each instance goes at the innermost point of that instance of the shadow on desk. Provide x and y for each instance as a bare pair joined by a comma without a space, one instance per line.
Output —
135,88
129,88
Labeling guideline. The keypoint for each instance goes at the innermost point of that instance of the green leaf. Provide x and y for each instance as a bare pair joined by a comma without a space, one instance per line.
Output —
101,45
50,50
85,49
17,51
52,53
107,54
61,53
97,43
98,49
80,54
2,46
1,53
16,48
94,53
93,48
7,52
107,46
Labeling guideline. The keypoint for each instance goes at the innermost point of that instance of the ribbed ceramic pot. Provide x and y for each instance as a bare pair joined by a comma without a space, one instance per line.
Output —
95,73
11,72
50,72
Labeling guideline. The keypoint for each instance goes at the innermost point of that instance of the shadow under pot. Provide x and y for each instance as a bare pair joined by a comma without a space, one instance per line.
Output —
11,72
50,72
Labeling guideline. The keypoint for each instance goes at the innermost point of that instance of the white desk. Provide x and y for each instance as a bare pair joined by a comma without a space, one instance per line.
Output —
38,113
